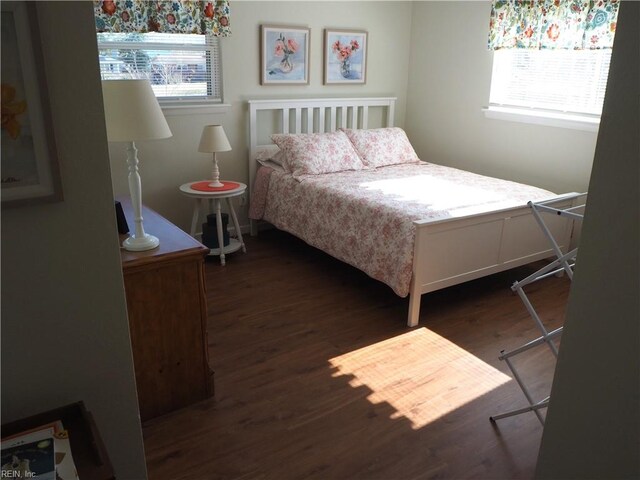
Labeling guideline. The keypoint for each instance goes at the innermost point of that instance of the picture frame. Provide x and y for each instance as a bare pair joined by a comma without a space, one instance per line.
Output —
284,55
345,56
30,169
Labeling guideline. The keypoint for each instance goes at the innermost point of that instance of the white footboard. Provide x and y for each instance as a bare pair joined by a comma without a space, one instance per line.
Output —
452,251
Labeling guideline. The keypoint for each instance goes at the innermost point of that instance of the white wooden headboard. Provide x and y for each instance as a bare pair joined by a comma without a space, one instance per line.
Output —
312,115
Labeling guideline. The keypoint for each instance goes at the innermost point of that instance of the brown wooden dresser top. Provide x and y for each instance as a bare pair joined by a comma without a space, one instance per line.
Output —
174,242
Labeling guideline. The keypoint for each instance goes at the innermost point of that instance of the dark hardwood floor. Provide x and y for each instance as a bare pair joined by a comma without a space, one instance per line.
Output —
318,377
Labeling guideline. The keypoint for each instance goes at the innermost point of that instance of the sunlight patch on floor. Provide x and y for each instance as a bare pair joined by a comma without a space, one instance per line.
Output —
421,374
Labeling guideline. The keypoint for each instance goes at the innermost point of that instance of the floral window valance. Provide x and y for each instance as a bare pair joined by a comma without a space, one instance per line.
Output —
549,24
200,17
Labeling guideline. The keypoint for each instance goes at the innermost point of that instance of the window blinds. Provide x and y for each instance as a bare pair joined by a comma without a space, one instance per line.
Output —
571,81
178,66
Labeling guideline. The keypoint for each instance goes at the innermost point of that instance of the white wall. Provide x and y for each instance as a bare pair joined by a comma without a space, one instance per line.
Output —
431,55
593,423
166,164
65,335
449,81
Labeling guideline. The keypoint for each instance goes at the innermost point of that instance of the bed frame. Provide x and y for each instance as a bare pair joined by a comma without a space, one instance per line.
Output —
446,252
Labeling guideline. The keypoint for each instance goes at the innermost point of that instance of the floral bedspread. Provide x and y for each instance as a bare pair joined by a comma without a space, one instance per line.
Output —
365,218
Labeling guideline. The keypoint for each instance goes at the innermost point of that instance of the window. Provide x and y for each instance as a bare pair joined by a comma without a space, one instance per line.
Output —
557,84
182,68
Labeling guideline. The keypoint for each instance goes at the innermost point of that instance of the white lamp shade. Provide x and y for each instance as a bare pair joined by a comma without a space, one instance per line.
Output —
213,139
132,111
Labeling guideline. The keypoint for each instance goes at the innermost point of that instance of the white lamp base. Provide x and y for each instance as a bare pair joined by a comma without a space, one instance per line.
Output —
140,240
139,244
215,174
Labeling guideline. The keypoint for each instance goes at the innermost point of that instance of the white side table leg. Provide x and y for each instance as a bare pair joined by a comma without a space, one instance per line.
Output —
236,224
220,235
196,215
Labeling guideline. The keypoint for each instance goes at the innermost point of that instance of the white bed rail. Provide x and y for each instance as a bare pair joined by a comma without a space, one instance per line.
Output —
455,250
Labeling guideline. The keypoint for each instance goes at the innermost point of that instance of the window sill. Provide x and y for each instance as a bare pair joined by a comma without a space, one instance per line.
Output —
195,108
541,117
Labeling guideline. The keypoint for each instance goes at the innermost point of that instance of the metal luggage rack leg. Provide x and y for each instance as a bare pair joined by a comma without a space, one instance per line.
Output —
564,263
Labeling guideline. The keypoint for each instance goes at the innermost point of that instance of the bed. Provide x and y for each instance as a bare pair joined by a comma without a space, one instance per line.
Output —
418,227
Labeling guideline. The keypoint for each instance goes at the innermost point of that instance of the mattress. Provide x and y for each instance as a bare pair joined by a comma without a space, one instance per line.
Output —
365,218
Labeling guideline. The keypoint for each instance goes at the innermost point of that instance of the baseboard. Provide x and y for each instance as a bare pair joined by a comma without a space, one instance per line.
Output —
246,229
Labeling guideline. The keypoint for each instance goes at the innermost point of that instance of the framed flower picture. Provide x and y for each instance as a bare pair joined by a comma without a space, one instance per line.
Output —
284,55
30,172
345,56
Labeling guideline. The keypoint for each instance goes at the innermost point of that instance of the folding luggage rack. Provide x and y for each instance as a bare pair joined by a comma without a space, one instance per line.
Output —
563,263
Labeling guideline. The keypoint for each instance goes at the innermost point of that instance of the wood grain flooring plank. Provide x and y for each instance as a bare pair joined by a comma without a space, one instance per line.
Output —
318,377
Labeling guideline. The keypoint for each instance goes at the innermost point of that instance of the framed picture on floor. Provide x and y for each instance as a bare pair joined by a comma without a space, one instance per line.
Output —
284,55
345,56
30,171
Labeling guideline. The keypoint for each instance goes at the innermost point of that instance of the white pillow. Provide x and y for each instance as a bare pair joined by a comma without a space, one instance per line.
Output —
272,154
271,164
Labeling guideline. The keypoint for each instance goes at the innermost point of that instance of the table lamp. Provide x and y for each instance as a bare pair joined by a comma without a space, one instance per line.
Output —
132,113
214,140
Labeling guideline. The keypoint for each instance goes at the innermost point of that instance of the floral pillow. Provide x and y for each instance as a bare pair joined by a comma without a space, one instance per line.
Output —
382,146
316,153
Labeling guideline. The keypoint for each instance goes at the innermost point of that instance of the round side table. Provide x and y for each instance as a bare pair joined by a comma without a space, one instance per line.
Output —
215,198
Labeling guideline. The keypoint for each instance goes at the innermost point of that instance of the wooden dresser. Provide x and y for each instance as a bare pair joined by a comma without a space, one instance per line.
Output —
167,308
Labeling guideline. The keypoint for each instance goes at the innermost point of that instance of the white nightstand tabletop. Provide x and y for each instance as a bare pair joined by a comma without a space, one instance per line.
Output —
190,192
